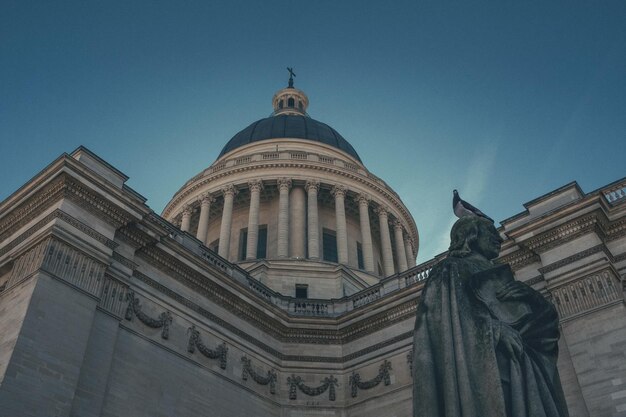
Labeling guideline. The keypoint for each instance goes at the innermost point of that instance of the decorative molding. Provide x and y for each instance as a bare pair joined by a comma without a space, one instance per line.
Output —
520,258
268,379
163,321
576,257
28,263
124,261
58,214
383,375
329,383
113,297
133,236
567,232
73,266
535,280
220,352
296,335
586,294
619,258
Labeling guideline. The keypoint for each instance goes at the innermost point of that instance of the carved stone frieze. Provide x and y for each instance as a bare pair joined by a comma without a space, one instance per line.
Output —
134,309
28,263
296,383
220,352
73,266
248,371
114,296
383,375
588,293
124,261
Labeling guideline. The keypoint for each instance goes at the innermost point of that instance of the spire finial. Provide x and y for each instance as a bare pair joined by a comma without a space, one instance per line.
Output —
291,75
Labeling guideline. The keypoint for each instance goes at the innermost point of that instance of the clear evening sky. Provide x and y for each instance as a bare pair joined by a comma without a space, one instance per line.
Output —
504,100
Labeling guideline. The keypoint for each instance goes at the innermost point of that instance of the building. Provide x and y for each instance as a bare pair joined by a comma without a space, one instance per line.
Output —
280,281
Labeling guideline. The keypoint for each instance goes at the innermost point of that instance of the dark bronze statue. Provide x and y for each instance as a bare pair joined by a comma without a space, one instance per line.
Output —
485,345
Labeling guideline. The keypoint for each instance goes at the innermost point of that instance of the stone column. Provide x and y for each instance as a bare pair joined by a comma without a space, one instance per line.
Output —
366,232
283,217
227,216
203,224
385,240
184,226
400,250
408,248
253,218
312,187
339,192
297,218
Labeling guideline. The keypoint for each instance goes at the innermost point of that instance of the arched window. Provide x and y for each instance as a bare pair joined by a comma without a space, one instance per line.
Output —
291,102
280,104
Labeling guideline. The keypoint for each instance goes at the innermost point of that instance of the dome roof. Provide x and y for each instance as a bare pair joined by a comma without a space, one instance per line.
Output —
289,126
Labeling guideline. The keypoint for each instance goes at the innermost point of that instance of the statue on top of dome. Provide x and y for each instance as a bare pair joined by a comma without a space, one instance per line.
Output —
291,75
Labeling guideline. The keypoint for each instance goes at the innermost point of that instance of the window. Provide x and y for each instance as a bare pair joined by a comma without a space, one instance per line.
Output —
359,255
261,248
302,291
243,243
291,102
281,103
329,243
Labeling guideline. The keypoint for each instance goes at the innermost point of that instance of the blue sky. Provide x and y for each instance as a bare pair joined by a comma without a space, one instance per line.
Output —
504,100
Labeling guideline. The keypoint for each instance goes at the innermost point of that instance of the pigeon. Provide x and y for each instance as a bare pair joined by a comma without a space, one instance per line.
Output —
463,208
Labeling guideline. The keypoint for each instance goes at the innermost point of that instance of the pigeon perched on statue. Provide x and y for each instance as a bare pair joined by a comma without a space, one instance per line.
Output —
463,208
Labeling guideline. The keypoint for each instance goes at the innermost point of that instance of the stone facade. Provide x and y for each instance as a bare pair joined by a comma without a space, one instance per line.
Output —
97,290
107,309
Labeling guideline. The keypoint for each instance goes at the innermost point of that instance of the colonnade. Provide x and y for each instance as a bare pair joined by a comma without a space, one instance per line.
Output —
294,239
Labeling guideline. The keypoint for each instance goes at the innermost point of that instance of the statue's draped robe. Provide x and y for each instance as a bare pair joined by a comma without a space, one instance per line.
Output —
458,366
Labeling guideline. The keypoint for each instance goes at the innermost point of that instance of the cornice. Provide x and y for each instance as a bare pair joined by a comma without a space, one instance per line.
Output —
58,214
557,236
576,257
63,186
520,258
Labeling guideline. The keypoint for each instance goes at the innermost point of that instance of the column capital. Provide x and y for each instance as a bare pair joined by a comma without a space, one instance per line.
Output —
255,185
206,198
310,184
187,210
362,198
397,224
284,183
381,211
339,191
229,190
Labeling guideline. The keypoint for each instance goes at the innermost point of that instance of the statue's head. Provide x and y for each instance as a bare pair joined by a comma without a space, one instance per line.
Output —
473,234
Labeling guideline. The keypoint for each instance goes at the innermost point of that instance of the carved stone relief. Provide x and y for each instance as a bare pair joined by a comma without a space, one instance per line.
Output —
383,375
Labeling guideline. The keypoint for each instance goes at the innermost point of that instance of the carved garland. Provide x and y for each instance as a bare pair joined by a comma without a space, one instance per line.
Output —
383,375
221,352
329,383
269,379
134,308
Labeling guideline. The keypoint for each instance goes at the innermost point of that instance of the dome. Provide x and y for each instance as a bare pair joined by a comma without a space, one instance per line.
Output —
290,126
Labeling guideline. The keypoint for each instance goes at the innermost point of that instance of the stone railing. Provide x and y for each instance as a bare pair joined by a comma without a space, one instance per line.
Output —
615,194
303,306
